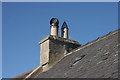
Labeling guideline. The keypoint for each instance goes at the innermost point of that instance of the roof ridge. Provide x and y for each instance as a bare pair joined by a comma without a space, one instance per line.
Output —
94,41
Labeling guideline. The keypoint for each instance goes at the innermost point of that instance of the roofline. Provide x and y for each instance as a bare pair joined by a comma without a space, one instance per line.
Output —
94,41
19,76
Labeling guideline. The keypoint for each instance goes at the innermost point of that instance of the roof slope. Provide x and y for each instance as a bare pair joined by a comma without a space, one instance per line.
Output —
23,75
97,59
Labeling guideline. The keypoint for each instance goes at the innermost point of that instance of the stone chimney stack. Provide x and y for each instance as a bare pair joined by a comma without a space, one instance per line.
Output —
53,48
54,26
64,30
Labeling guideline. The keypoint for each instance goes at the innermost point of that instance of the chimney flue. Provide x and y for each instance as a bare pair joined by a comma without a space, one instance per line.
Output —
54,26
64,30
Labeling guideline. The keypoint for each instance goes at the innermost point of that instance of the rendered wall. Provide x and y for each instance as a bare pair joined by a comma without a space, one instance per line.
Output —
52,51
44,52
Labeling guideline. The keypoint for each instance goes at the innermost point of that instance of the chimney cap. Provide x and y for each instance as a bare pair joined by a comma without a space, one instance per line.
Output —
64,25
54,21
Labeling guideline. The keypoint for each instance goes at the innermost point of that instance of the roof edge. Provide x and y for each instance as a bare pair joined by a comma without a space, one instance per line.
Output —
94,41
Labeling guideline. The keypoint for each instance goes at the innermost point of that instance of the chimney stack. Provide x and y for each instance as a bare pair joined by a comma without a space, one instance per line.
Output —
54,48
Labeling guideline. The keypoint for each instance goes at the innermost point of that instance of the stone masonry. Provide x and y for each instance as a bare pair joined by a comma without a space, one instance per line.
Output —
53,48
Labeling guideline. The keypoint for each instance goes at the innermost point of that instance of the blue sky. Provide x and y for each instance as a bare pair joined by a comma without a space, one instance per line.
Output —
25,24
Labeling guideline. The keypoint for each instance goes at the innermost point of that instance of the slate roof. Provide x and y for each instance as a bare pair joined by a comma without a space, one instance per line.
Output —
97,59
